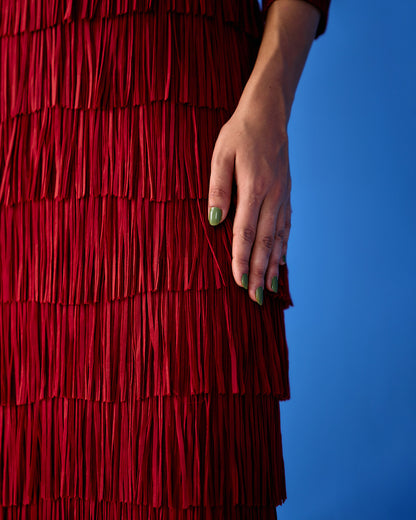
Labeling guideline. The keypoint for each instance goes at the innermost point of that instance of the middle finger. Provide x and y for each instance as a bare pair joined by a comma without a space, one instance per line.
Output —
247,232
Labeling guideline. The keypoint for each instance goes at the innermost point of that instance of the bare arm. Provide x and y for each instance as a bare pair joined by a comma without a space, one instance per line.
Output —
287,38
253,142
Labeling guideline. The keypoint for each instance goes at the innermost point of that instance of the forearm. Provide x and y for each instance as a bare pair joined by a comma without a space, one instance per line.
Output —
289,31
252,148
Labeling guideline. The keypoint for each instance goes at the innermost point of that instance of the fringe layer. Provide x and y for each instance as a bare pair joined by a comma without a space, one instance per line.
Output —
161,151
79,509
206,450
106,248
159,343
19,16
130,60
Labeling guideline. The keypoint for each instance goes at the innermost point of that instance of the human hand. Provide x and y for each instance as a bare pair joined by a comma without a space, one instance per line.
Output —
252,146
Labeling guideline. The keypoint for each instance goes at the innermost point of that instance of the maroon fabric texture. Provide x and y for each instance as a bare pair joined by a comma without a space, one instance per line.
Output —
322,5
137,379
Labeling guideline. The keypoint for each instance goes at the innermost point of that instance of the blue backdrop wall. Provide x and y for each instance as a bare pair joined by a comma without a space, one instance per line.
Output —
349,429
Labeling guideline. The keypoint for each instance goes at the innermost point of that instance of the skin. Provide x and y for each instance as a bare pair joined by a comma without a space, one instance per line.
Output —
252,147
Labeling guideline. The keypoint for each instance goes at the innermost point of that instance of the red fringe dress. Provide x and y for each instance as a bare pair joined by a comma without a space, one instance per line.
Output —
137,379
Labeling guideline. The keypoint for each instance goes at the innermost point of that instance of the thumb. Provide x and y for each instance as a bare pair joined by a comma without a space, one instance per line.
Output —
220,184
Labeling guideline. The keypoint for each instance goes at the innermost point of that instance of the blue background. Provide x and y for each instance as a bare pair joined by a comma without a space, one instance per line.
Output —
349,429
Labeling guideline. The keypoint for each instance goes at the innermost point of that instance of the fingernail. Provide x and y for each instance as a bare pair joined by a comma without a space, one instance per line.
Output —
244,280
274,284
259,295
215,216
284,259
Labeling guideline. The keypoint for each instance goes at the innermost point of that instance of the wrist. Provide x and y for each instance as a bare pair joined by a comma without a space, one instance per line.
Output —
268,91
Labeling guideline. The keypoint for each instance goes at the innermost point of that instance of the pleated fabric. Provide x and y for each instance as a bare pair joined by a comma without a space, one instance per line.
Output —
137,379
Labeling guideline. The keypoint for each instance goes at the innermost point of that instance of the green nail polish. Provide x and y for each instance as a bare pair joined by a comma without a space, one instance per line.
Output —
274,284
284,258
215,216
259,295
244,280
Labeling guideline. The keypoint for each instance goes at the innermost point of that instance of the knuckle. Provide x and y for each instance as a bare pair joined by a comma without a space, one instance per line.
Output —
279,192
247,234
241,262
254,199
218,160
268,241
280,234
257,270
217,191
215,161
258,187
